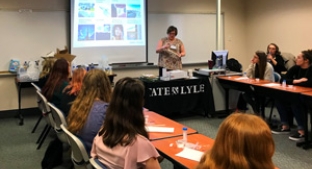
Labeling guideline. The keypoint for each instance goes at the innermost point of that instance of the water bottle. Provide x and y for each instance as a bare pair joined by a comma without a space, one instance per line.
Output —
284,83
184,134
245,74
91,66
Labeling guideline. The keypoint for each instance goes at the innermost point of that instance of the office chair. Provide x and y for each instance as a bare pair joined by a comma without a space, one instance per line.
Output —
277,78
46,113
79,155
59,119
96,164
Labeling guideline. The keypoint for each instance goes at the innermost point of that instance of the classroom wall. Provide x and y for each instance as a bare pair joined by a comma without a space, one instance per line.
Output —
57,5
284,22
235,40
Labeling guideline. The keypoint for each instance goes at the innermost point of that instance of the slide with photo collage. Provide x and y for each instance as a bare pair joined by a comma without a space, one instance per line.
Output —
105,20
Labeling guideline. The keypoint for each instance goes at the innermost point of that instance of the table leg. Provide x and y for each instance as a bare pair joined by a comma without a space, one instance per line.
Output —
262,106
20,115
306,144
227,100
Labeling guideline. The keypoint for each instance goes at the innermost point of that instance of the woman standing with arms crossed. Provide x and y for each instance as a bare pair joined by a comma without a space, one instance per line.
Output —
170,50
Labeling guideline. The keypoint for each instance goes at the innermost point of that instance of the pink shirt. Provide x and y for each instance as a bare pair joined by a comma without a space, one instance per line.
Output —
132,156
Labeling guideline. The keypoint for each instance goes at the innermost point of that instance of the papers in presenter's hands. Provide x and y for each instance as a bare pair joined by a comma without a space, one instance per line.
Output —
190,154
159,129
172,52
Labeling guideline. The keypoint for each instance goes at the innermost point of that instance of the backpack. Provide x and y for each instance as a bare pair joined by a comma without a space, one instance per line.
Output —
234,65
53,155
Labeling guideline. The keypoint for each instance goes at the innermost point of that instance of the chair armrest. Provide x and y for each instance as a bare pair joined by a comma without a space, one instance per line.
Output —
96,164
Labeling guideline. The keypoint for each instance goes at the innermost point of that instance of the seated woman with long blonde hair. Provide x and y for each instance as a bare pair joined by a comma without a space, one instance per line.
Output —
244,141
47,66
88,111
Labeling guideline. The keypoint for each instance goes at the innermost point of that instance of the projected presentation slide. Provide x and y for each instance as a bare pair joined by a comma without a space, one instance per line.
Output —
109,23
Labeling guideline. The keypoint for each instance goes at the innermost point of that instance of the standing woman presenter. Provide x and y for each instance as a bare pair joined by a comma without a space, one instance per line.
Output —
170,50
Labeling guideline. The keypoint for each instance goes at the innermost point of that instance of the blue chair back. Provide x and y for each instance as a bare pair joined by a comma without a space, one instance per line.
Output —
277,77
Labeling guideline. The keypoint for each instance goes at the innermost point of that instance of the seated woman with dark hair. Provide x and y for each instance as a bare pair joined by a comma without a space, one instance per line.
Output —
52,90
244,141
261,69
300,75
123,142
87,112
71,90
57,81
275,59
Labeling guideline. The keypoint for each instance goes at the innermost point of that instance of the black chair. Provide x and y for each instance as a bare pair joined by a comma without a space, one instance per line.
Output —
277,78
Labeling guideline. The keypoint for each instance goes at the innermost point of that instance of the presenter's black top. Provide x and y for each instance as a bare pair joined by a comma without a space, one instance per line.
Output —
280,66
296,72
168,58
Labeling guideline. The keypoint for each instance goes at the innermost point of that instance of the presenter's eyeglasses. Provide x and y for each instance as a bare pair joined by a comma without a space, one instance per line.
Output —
172,33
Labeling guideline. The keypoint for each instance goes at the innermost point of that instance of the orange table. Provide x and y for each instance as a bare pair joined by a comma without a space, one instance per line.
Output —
240,79
168,148
155,119
278,92
288,88
236,83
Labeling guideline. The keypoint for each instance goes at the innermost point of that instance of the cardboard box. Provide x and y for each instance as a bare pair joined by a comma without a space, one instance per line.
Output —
64,54
68,57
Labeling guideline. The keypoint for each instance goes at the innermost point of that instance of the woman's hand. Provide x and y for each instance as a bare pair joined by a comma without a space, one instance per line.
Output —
166,46
300,80
269,57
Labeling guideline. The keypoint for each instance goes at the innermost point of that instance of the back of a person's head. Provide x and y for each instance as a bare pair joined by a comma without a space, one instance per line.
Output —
244,141
95,86
47,65
124,118
59,73
76,82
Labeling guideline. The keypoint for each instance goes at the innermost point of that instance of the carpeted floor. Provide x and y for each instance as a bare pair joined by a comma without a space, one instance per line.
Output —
18,147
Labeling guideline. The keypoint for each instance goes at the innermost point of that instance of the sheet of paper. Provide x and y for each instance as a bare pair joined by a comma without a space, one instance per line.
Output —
190,154
242,78
271,84
159,129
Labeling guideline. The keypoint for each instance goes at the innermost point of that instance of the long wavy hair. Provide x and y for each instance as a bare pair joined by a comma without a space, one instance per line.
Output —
47,65
75,84
124,117
59,74
277,52
261,65
95,86
244,141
